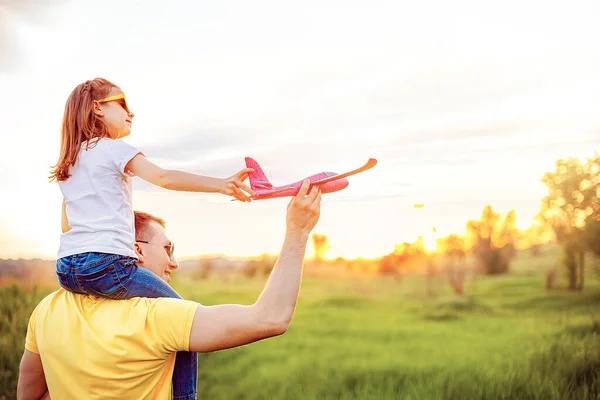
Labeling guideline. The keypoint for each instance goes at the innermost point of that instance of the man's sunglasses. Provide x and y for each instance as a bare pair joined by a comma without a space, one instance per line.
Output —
169,248
114,98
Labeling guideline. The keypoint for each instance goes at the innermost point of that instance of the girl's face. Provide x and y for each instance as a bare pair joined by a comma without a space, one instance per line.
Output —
115,114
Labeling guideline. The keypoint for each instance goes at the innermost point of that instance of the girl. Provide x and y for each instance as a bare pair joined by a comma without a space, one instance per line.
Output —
94,170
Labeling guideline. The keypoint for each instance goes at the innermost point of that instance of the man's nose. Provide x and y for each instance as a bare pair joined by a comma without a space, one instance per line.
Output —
173,263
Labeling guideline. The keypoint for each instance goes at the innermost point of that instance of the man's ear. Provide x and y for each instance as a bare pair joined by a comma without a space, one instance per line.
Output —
140,253
96,109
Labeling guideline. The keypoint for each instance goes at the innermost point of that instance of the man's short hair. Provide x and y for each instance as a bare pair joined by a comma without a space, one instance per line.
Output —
142,224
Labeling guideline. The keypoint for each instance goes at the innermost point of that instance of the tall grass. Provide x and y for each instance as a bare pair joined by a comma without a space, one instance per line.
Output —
15,307
376,340
507,338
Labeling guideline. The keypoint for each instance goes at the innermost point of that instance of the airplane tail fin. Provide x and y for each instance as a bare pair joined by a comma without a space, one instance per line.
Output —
258,179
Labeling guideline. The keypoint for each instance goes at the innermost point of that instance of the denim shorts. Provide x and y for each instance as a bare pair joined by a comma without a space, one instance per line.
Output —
110,275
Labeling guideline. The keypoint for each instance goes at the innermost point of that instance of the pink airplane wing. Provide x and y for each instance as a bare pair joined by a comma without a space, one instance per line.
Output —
281,189
370,164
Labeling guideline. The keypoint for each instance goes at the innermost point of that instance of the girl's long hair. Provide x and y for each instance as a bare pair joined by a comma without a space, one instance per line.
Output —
80,124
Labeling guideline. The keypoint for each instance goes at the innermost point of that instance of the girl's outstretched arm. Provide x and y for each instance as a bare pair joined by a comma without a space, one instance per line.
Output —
187,182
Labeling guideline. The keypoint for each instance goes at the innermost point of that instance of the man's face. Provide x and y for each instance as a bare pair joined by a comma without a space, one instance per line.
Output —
154,255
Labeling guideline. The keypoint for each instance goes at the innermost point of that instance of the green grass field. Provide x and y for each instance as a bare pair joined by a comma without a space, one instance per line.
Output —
507,338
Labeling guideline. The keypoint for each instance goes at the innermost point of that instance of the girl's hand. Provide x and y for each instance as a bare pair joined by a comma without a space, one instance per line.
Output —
234,185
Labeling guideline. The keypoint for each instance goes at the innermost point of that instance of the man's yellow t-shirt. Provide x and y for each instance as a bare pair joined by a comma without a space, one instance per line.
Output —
97,348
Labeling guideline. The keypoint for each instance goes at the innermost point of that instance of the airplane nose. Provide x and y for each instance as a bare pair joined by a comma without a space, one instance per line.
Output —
334,186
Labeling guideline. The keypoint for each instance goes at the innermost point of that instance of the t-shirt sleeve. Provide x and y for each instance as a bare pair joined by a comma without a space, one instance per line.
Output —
30,340
120,153
170,322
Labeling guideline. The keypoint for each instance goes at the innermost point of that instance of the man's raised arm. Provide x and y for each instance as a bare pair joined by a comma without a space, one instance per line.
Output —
225,326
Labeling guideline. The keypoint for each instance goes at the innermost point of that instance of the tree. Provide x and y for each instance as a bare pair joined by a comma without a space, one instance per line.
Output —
388,265
320,245
572,195
592,229
203,269
405,255
592,235
262,266
492,240
534,237
406,251
453,247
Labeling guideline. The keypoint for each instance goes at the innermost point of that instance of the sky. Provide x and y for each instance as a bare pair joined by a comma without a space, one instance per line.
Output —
463,104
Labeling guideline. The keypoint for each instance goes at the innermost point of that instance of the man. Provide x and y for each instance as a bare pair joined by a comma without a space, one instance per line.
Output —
97,348
154,249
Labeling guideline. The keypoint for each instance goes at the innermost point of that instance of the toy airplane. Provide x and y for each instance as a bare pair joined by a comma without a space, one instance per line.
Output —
328,181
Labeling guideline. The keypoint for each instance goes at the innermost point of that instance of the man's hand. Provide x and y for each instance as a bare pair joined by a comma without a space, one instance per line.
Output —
234,185
304,209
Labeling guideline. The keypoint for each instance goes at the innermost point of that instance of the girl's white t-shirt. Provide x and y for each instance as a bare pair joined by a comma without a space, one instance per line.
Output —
98,194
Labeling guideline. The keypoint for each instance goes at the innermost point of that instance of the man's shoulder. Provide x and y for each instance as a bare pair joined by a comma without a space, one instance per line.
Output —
50,297
70,298
43,304
164,308
92,309
162,302
153,321
62,298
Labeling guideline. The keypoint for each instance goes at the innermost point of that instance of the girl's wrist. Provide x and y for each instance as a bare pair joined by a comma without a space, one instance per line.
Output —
221,185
